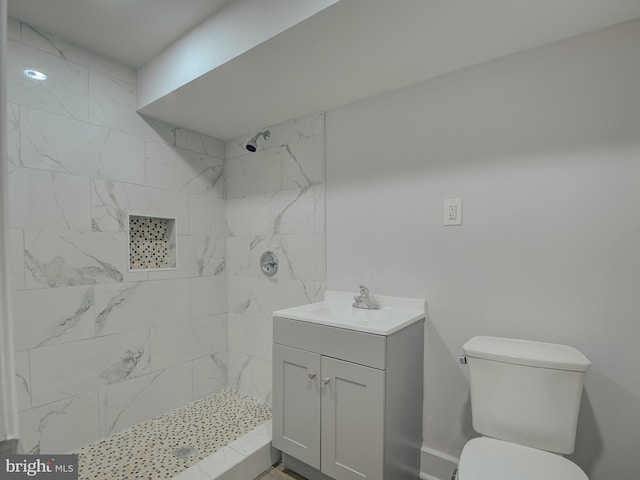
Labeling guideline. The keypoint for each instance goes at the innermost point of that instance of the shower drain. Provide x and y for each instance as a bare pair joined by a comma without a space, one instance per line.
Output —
184,452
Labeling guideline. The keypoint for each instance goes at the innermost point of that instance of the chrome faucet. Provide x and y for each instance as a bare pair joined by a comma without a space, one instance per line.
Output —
364,300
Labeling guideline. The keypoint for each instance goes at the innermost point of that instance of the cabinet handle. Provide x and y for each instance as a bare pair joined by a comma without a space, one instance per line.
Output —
312,375
325,380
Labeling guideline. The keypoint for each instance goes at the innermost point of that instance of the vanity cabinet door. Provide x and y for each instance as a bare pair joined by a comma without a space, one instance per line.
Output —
296,403
352,420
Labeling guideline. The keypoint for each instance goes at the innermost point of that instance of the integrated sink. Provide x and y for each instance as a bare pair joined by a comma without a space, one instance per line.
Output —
337,311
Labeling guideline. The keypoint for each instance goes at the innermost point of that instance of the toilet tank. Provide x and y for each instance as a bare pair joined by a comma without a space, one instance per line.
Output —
526,392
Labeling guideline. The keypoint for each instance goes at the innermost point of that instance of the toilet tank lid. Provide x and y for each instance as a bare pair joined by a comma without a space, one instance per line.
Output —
527,352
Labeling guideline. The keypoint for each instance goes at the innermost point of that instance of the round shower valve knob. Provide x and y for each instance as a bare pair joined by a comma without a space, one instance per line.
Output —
269,263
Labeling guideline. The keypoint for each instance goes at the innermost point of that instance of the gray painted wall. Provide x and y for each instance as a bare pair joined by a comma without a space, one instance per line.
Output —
544,148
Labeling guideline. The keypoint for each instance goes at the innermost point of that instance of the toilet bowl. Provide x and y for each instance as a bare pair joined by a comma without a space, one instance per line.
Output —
525,398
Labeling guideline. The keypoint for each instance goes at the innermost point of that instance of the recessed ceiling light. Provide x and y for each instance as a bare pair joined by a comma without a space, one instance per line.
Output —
35,75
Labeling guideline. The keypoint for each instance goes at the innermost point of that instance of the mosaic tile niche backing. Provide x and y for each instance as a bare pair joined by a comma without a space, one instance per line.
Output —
152,243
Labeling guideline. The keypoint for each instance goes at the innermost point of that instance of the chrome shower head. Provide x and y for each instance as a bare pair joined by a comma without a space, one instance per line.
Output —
252,144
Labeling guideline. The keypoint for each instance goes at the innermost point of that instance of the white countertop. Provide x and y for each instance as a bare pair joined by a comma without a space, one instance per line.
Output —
337,311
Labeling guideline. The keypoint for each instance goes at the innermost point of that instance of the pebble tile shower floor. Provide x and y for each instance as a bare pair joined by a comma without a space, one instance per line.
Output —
166,445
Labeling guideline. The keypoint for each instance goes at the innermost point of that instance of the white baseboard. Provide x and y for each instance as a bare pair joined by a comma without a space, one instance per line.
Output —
436,465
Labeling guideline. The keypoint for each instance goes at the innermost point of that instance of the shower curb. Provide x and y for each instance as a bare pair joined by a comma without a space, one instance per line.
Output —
243,459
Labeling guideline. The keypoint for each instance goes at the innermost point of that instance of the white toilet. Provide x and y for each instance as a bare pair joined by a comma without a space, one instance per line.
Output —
525,398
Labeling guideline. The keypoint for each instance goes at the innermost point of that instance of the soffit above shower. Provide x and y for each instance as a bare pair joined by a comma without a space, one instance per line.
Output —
354,49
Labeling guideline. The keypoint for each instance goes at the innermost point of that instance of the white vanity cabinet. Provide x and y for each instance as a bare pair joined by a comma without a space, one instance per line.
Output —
347,404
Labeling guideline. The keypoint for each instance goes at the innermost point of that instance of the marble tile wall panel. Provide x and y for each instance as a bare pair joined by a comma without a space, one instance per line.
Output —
198,256
319,220
208,296
171,248
283,214
197,142
260,297
131,306
186,139
305,256
13,136
49,200
110,206
250,375
286,211
286,166
60,427
318,290
176,343
239,215
283,133
121,157
184,170
87,365
205,255
111,202
82,127
16,259
52,316
65,92
302,162
210,374
259,172
207,215
23,380
251,335
112,104
239,260
125,404
300,256
291,158
60,259
240,295
61,144
57,46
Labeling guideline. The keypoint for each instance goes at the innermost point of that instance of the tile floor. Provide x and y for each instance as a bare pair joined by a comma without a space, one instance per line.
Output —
280,473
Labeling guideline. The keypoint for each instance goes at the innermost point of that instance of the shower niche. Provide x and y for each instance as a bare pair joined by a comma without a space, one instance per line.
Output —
152,243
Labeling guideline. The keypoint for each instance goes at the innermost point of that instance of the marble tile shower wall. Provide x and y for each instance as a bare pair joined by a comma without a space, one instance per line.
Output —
101,348
275,201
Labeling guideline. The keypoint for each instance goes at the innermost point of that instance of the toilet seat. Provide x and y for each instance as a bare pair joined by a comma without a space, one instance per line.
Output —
490,459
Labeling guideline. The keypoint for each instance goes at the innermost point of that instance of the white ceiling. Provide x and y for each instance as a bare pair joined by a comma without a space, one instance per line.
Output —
355,49
349,51
129,31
